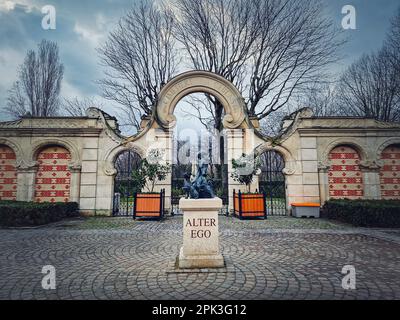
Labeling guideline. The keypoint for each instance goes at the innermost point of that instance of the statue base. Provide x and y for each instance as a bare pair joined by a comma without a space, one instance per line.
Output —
200,234
200,261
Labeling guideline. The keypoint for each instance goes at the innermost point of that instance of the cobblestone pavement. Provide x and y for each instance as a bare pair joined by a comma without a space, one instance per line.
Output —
281,258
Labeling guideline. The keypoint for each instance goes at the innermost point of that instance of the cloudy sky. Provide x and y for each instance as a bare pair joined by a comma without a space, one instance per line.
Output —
84,24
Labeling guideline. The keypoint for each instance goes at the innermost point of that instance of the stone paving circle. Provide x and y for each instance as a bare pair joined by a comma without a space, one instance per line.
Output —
279,258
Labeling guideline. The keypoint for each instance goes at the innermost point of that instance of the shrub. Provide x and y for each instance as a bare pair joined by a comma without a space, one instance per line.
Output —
28,214
150,172
364,213
244,169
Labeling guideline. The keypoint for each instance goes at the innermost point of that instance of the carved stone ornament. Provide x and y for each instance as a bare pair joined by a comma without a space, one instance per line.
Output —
371,165
109,169
323,166
113,134
75,167
289,170
23,165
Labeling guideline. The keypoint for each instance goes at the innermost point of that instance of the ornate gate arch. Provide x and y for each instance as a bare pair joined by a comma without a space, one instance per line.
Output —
204,82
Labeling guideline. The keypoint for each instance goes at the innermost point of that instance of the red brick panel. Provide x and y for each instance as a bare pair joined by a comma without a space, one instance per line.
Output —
8,174
345,176
53,179
390,173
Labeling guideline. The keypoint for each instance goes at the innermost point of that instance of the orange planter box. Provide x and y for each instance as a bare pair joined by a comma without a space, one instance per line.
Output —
148,205
246,206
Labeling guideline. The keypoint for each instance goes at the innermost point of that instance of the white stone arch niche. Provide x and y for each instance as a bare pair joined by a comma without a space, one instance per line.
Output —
356,144
108,171
112,155
14,146
291,167
19,163
44,143
387,143
365,163
391,142
74,167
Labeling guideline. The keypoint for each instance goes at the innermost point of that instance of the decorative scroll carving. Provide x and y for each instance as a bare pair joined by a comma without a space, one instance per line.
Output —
323,166
110,132
371,165
289,170
23,165
109,169
75,167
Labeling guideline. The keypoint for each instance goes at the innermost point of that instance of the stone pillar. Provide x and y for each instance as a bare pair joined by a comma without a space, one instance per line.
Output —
200,234
323,182
105,189
371,179
235,149
162,140
294,189
88,177
309,163
26,174
75,184
249,145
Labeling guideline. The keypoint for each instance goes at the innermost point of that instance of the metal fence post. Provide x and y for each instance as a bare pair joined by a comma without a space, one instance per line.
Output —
265,204
134,205
240,205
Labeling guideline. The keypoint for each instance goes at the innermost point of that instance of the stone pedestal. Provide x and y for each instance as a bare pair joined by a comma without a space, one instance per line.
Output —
200,234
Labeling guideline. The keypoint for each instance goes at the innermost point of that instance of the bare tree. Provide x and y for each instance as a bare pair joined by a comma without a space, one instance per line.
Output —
370,88
321,98
37,90
219,37
77,107
393,41
201,108
270,49
140,58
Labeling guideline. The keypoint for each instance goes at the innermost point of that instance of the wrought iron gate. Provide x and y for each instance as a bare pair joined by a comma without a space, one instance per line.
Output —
124,187
272,182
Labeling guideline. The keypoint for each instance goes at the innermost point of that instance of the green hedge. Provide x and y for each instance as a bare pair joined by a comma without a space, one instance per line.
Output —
364,213
28,214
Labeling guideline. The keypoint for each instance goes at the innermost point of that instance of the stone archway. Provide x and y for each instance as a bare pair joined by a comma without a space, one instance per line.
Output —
234,121
204,82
